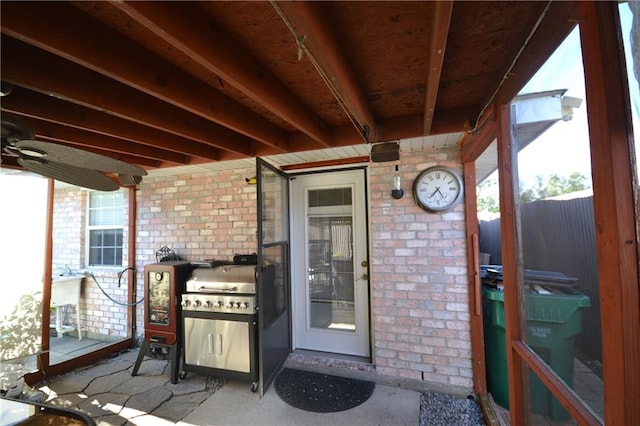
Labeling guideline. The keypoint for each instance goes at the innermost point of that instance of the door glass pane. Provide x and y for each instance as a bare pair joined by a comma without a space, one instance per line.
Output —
559,281
630,24
89,312
331,272
22,259
274,222
274,271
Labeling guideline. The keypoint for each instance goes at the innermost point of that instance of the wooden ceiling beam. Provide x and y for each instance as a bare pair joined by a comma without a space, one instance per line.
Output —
68,81
410,126
438,32
559,20
74,35
186,28
313,30
29,103
475,142
325,163
105,145
557,23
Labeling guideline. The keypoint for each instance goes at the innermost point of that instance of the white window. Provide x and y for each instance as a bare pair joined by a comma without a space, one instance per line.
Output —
106,224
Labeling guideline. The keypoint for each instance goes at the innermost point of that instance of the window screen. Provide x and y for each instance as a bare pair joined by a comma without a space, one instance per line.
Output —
106,221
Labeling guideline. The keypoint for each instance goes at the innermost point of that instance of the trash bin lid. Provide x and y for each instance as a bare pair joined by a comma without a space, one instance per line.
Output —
493,273
548,278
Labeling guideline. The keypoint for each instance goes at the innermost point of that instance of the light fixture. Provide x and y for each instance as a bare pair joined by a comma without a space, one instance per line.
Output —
387,151
396,189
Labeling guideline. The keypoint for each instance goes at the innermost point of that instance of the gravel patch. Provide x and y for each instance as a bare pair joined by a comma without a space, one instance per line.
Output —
448,410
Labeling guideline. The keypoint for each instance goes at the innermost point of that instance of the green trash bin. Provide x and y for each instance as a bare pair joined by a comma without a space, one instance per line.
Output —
553,321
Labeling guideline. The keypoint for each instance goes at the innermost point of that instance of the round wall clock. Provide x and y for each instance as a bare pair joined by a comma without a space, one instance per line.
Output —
437,189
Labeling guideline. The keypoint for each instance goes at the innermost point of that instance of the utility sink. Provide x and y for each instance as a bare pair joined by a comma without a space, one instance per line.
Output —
65,290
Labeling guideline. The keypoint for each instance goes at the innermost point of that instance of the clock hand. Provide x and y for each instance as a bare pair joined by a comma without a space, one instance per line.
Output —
434,192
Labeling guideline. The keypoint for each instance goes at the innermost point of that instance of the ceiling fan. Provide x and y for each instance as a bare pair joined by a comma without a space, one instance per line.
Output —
64,163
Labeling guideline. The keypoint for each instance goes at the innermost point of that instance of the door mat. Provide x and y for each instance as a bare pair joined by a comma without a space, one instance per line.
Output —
321,393
441,409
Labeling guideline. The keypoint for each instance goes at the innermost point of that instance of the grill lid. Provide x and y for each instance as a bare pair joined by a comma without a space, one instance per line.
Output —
223,279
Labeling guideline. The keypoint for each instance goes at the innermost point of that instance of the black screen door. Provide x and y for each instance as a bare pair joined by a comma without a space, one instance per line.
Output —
274,322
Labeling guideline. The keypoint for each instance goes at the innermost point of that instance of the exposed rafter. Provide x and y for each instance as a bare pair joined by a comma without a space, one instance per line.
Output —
439,30
111,96
114,56
314,34
101,144
204,42
185,83
33,104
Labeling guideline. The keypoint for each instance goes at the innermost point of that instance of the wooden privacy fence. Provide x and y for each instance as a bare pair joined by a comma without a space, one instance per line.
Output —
558,236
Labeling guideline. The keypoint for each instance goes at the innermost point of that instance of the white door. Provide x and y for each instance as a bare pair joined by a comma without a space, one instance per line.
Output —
329,262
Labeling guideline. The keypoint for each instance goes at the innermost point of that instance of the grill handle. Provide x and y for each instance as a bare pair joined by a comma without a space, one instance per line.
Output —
215,343
205,289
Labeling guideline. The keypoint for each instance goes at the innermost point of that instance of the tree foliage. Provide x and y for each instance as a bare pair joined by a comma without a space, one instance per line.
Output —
555,185
541,189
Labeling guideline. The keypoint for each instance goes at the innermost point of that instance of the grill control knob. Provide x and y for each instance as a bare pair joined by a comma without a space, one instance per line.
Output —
197,303
208,304
218,304
229,305
186,303
244,305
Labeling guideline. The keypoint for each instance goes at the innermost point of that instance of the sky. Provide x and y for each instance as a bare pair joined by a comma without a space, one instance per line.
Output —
564,148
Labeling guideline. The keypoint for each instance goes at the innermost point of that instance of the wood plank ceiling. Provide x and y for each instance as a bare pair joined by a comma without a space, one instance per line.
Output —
165,84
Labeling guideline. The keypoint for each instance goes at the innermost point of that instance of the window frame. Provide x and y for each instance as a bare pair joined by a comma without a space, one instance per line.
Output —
90,228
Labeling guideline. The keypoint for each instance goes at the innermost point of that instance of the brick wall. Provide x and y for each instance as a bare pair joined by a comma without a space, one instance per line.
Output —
105,318
199,216
420,309
69,219
101,317
420,313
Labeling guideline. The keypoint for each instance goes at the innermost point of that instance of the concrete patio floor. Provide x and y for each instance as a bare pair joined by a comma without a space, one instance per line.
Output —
107,392
111,396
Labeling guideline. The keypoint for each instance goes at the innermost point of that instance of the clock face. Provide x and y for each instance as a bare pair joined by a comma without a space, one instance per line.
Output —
437,189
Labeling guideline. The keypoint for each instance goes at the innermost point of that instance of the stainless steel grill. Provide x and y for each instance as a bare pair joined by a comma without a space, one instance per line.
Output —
226,289
219,314
237,279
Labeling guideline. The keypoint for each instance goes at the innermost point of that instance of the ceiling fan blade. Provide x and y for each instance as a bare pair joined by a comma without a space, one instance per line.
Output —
76,157
79,176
